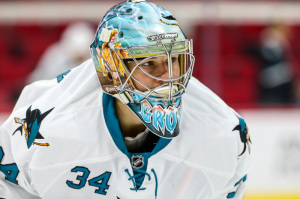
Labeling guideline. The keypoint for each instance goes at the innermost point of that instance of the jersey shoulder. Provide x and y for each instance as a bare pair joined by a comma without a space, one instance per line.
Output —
57,99
66,88
202,101
55,120
207,119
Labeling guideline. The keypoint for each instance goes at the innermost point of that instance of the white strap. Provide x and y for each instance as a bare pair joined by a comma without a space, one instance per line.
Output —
105,35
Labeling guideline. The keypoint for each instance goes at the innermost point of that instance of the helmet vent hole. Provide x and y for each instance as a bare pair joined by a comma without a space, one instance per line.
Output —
121,34
170,17
140,17
118,8
129,10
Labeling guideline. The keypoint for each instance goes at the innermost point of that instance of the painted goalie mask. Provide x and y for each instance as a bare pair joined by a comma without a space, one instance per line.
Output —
135,33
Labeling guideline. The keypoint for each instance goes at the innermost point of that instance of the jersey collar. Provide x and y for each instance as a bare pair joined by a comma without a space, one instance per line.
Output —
114,129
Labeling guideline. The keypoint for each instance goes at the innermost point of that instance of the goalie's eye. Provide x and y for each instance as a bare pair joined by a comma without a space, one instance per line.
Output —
148,64
152,64
174,59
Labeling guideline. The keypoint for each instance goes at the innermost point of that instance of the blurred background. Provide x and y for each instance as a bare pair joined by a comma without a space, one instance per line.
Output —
247,52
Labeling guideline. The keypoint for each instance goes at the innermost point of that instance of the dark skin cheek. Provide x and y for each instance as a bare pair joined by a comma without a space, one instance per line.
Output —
146,81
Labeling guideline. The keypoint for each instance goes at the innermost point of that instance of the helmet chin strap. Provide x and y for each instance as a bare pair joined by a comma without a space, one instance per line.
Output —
124,97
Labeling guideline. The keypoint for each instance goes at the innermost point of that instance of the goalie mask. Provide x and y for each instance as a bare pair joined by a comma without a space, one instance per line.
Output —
131,38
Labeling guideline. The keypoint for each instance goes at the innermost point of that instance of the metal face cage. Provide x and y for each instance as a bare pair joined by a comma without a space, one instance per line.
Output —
116,78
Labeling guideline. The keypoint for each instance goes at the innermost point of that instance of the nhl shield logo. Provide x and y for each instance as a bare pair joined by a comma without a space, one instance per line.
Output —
137,161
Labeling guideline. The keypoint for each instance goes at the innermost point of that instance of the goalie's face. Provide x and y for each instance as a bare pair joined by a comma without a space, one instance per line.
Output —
157,67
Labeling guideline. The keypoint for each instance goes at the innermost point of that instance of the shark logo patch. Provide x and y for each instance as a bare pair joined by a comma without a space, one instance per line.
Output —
244,134
31,125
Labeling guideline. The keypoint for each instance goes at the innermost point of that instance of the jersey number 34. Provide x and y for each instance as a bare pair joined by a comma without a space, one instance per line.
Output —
101,181
10,171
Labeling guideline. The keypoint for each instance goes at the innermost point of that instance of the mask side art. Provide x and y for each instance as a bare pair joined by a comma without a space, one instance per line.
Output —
111,68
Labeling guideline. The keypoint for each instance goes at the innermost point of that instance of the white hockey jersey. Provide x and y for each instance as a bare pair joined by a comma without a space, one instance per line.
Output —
63,140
